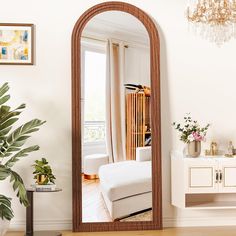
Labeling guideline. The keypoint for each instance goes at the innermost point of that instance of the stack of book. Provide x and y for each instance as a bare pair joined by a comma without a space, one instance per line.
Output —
46,187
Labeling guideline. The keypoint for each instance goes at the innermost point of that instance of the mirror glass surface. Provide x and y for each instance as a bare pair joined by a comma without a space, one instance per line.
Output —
116,122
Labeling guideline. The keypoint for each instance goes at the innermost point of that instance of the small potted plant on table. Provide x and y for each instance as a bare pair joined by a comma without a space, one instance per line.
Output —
192,134
43,174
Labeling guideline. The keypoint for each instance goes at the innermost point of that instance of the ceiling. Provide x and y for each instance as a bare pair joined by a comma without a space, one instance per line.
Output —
117,24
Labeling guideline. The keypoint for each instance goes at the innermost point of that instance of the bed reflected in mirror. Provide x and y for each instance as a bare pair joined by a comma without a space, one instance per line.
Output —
116,122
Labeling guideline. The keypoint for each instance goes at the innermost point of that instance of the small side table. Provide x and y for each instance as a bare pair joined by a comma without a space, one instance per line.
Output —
30,215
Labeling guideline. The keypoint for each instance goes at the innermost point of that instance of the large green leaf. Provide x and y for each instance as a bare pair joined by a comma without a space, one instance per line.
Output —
18,185
18,137
24,129
4,110
22,153
8,118
4,89
4,99
8,123
5,208
4,132
4,172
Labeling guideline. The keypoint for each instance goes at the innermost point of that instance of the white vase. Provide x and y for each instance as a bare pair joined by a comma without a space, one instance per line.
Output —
4,225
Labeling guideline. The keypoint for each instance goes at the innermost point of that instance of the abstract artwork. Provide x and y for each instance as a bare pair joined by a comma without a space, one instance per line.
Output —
16,44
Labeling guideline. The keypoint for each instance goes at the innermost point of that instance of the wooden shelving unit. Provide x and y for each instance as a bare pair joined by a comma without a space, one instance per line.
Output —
137,123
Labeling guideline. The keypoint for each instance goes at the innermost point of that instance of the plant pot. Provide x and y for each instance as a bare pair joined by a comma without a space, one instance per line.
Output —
194,148
41,179
4,225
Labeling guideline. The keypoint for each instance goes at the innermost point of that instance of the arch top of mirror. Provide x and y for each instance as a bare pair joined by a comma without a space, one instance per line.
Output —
116,122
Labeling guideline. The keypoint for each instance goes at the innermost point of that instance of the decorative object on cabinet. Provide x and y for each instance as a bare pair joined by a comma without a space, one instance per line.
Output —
203,183
43,172
194,148
230,149
138,132
213,150
16,44
192,134
213,20
11,151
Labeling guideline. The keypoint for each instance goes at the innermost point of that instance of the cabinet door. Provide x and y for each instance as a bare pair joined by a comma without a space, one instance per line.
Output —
201,175
227,180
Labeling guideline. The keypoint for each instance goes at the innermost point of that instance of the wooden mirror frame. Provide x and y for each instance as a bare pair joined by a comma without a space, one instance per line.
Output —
156,223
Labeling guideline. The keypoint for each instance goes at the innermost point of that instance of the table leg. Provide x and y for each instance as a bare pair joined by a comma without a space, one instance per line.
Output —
29,215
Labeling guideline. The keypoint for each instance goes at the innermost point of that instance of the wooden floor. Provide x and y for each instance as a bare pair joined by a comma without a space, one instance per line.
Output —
202,231
94,209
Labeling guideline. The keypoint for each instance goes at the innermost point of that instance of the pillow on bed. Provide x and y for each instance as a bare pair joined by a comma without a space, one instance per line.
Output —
144,153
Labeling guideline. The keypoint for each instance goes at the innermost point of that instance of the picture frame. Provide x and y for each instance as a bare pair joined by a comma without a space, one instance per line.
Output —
16,44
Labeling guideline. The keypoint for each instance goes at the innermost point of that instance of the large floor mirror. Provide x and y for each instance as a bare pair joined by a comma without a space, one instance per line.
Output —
116,120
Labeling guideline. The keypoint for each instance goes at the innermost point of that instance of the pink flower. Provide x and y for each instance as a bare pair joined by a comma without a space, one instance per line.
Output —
197,136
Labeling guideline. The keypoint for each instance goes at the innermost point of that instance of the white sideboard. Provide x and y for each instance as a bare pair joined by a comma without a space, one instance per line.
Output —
203,182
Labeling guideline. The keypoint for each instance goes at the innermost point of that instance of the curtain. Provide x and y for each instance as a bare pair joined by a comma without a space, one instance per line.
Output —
115,102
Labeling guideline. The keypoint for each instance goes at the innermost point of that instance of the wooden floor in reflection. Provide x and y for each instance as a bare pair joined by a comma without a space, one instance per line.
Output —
94,209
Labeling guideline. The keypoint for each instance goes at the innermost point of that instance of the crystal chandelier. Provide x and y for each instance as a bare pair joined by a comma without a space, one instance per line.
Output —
214,20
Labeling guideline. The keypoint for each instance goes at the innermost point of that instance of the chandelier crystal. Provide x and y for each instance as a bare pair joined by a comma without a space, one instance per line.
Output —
214,20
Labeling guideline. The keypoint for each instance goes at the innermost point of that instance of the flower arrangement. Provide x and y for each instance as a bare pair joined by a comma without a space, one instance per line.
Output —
191,131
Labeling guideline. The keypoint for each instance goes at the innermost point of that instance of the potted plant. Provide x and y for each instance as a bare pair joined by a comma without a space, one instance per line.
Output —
43,172
11,151
192,134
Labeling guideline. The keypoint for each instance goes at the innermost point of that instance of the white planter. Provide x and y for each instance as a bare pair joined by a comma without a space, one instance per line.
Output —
4,225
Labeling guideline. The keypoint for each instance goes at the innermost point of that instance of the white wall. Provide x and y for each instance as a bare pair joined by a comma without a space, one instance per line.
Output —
196,77
137,65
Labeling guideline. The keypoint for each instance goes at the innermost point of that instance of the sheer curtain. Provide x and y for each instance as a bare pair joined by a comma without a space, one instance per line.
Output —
115,102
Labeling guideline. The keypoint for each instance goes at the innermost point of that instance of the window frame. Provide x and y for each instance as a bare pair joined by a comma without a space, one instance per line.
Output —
97,47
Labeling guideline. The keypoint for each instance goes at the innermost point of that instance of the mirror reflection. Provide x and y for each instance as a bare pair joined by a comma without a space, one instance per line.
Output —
116,122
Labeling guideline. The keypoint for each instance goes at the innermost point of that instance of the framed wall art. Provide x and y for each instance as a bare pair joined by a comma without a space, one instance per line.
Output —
16,44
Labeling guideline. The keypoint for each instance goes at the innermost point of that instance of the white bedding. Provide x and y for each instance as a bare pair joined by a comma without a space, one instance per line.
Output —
125,179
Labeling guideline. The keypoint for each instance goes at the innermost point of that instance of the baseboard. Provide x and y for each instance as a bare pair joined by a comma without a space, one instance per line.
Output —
19,225
167,222
199,221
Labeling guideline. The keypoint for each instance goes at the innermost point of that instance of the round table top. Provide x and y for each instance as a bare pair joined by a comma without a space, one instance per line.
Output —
43,191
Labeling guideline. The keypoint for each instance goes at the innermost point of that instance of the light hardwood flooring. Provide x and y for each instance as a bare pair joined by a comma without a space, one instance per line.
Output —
94,209
201,231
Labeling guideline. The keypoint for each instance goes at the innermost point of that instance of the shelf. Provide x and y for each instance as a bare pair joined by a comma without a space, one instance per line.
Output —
211,205
137,123
210,201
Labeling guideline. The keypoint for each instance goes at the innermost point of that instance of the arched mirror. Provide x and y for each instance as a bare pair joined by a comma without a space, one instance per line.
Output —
116,120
